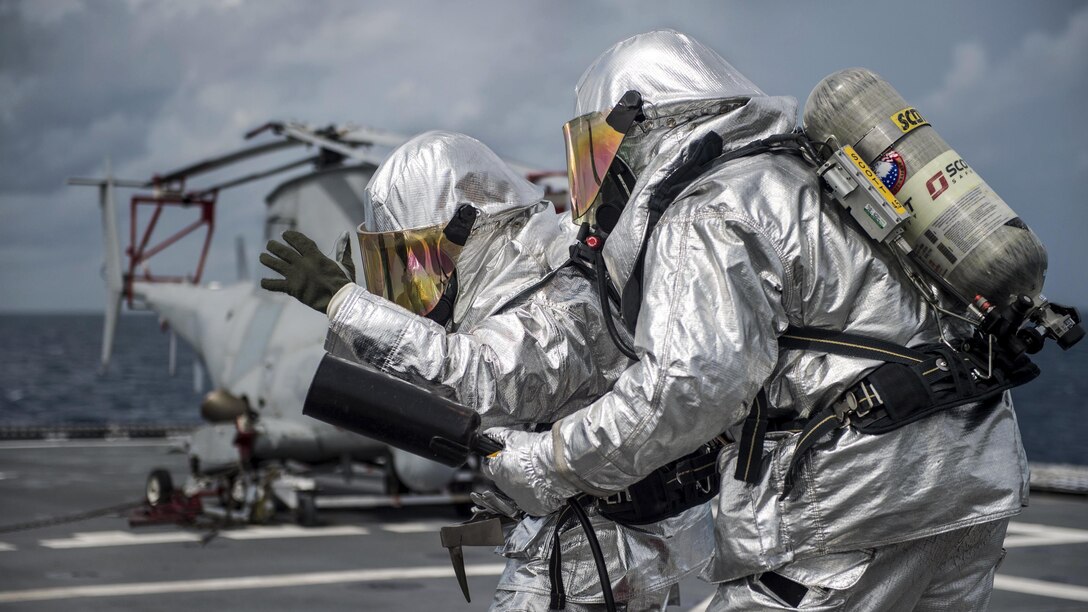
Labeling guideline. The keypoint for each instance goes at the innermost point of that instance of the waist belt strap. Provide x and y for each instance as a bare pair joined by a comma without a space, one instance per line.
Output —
911,385
892,396
669,490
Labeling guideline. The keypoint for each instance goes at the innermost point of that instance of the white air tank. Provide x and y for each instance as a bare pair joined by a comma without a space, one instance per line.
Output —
963,231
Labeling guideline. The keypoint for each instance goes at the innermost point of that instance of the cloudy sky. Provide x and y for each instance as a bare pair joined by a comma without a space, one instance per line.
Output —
155,85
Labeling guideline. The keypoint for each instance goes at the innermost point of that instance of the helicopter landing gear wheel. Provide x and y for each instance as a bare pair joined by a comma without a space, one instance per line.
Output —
159,488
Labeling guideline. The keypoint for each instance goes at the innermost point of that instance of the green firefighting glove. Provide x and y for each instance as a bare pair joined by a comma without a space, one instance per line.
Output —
308,275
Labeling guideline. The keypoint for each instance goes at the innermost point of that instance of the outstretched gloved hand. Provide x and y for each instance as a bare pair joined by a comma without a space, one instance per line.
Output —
518,470
308,275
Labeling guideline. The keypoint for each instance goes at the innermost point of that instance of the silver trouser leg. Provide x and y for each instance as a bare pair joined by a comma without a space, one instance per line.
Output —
945,572
966,578
521,601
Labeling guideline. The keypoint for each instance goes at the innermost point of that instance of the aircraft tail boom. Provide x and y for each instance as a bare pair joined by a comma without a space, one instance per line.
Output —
112,254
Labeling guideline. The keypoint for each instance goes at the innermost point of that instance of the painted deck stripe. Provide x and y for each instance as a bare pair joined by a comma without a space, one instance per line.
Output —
379,501
1030,586
292,531
425,527
66,444
1020,535
244,582
94,539
1018,527
1035,534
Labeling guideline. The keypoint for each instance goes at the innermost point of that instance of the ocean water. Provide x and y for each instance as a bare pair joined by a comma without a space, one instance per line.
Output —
48,375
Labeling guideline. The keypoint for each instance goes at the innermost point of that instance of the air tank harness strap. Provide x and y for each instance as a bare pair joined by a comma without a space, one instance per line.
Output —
750,450
912,384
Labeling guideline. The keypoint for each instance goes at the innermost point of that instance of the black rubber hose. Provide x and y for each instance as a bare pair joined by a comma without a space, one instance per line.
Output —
606,308
598,556
555,564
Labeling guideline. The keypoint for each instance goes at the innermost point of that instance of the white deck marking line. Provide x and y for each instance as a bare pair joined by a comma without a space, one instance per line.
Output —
95,539
1018,541
431,527
1018,527
1042,588
5,547
245,582
292,531
702,605
126,442
1035,534
378,501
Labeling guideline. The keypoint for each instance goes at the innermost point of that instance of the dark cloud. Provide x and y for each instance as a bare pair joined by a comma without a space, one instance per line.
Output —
156,85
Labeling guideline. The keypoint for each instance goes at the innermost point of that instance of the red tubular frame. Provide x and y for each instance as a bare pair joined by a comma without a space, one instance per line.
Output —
139,252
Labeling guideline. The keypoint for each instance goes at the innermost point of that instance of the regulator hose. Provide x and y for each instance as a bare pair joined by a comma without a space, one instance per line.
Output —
598,555
606,307
558,594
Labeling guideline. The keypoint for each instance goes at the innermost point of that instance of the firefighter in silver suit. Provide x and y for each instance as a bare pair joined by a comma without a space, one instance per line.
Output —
912,519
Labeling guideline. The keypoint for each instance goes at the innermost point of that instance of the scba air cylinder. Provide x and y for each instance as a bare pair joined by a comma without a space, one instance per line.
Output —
959,227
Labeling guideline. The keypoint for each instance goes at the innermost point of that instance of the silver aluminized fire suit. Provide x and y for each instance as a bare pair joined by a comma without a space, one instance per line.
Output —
911,518
516,363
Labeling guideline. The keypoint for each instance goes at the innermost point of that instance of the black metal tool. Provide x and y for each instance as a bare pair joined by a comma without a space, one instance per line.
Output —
484,529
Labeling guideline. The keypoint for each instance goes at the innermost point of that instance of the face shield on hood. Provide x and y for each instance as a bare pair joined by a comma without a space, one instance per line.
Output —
592,142
411,268
687,90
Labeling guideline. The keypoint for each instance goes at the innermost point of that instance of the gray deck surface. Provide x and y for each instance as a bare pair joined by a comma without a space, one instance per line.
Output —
387,559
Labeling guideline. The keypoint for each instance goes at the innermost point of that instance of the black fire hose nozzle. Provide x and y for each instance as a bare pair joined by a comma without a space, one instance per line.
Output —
398,413
484,445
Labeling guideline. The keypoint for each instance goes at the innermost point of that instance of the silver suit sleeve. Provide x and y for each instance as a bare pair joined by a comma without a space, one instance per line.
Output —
514,367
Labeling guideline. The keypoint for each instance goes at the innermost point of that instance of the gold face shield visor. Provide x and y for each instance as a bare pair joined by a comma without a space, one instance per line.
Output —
592,142
410,268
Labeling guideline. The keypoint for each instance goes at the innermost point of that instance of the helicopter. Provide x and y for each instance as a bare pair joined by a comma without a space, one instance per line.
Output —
255,450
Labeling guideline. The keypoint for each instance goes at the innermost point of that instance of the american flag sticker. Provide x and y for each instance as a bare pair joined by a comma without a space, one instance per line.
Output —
891,169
